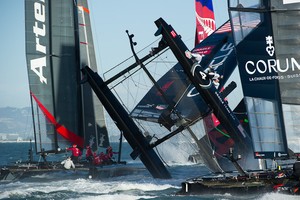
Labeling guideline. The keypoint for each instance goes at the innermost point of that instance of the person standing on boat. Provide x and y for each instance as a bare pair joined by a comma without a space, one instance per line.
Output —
296,168
89,154
68,163
109,154
96,159
76,153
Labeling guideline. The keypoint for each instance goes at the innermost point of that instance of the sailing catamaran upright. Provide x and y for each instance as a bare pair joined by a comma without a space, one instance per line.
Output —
58,43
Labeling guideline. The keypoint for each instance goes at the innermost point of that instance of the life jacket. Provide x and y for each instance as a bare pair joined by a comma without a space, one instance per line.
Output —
97,160
75,151
88,152
102,156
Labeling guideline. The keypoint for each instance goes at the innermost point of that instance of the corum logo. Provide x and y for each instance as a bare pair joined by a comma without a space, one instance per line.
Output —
271,65
270,48
39,30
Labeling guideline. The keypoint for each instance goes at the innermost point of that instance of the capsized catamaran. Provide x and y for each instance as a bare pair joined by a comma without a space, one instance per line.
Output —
265,34
191,106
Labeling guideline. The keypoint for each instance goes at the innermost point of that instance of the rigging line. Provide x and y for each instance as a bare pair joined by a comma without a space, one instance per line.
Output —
129,57
161,157
127,76
120,99
182,95
125,107
150,61
128,90
139,83
124,78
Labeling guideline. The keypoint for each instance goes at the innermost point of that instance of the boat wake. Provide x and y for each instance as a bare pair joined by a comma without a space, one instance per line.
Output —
85,188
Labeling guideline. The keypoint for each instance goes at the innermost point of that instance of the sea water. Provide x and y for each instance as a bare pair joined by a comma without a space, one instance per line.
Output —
73,185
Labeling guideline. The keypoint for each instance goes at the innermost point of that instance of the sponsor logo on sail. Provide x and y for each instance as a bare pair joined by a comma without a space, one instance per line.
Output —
217,62
39,31
290,1
257,154
270,47
269,69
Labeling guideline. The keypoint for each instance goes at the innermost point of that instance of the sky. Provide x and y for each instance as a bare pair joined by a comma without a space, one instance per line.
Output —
110,20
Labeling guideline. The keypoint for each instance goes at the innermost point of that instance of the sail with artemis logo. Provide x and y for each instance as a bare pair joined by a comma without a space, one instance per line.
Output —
59,43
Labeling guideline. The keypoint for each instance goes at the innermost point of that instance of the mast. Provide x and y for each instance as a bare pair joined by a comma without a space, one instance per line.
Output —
203,84
171,107
93,124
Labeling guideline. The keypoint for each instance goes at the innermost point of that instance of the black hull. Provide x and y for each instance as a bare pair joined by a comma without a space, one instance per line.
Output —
55,169
256,183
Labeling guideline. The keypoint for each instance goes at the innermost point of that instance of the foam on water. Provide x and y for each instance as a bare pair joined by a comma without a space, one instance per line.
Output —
118,189
278,196
74,185
84,188
116,197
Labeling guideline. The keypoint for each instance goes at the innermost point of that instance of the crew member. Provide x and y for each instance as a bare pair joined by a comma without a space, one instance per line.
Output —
196,56
68,163
89,154
96,159
296,168
76,153
109,154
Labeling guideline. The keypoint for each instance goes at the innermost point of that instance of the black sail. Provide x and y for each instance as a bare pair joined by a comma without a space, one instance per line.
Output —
264,32
63,110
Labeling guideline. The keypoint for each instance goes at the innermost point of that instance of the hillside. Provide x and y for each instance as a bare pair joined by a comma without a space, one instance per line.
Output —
15,120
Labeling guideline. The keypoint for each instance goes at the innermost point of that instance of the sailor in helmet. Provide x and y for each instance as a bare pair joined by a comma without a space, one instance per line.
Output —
89,154
216,80
196,56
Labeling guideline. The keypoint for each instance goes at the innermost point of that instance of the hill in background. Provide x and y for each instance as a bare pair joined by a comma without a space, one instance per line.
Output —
16,121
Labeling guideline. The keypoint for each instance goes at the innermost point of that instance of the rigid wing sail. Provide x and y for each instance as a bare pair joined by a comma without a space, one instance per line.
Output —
175,84
190,104
58,43
205,20
266,44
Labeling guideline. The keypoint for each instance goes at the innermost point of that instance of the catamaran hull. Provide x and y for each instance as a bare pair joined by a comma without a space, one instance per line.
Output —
55,170
259,183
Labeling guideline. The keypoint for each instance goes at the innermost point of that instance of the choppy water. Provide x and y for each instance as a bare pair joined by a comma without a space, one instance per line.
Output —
73,185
